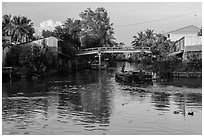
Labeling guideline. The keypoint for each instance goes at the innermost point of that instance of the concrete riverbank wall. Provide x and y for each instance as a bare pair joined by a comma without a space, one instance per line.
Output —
188,74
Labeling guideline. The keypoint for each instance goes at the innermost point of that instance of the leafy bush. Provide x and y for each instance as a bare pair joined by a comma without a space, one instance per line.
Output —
33,59
13,55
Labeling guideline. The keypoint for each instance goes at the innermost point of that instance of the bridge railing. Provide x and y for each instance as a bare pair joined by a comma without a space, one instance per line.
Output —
112,49
7,69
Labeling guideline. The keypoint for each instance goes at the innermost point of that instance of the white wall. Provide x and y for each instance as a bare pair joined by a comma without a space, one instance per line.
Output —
193,40
51,42
175,37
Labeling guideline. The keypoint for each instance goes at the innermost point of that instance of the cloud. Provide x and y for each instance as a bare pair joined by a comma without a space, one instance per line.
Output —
47,25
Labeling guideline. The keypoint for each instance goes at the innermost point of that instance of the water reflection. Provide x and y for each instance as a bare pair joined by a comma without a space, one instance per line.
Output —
185,82
161,101
92,102
187,101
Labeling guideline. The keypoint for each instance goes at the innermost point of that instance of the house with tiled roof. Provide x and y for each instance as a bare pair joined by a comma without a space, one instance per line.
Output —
179,33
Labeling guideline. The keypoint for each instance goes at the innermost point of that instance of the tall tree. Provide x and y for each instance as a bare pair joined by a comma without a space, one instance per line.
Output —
69,33
6,25
47,33
138,40
20,28
160,46
145,38
72,30
58,32
96,26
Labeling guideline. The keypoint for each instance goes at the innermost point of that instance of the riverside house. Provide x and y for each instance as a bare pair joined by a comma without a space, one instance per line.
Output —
52,45
187,45
186,42
175,35
56,59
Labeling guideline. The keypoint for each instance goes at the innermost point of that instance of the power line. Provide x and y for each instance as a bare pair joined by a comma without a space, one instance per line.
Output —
140,23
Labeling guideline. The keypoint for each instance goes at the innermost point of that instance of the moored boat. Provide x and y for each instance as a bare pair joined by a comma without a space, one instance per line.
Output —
137,77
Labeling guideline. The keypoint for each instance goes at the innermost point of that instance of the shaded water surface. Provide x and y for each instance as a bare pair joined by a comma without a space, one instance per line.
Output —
90,102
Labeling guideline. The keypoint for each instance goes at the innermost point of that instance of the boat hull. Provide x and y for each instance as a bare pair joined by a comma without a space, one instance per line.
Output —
131,77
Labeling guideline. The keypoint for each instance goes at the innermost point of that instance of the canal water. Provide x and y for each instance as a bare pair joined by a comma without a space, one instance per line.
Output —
92,102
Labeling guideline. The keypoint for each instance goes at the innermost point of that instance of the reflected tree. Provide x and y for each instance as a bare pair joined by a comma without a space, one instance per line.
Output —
161,101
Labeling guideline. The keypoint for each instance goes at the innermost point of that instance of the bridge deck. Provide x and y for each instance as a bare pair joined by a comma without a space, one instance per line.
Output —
7,70
112,50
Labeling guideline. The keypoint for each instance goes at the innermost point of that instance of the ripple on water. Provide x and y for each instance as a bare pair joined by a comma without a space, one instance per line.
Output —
99,106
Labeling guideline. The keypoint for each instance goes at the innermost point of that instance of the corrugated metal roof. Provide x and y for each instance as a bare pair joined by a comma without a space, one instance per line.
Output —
39,40
186,30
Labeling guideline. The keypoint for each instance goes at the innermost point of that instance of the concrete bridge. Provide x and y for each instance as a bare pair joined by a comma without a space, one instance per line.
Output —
100,50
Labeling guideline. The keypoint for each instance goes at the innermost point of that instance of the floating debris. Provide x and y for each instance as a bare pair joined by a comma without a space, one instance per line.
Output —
89,126
130,121
83,88
59,82
16,98
124,104
20,93
191,113
103,125
127,89
74,88
176,112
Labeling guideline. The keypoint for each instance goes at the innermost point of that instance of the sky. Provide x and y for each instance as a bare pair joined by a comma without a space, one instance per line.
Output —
128,18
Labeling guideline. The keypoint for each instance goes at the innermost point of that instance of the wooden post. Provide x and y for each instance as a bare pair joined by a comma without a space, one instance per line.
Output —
10,75
99,58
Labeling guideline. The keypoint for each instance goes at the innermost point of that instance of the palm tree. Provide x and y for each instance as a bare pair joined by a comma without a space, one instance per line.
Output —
21,27
146,38
139,40
110,41
149,37
6,25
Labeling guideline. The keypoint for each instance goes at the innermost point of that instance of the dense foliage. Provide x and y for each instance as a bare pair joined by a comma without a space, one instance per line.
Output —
47,33
159,60
93,30
20,28
146,38
96,29
33,59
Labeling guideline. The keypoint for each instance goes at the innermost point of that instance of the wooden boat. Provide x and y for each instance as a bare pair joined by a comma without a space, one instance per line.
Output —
137,77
